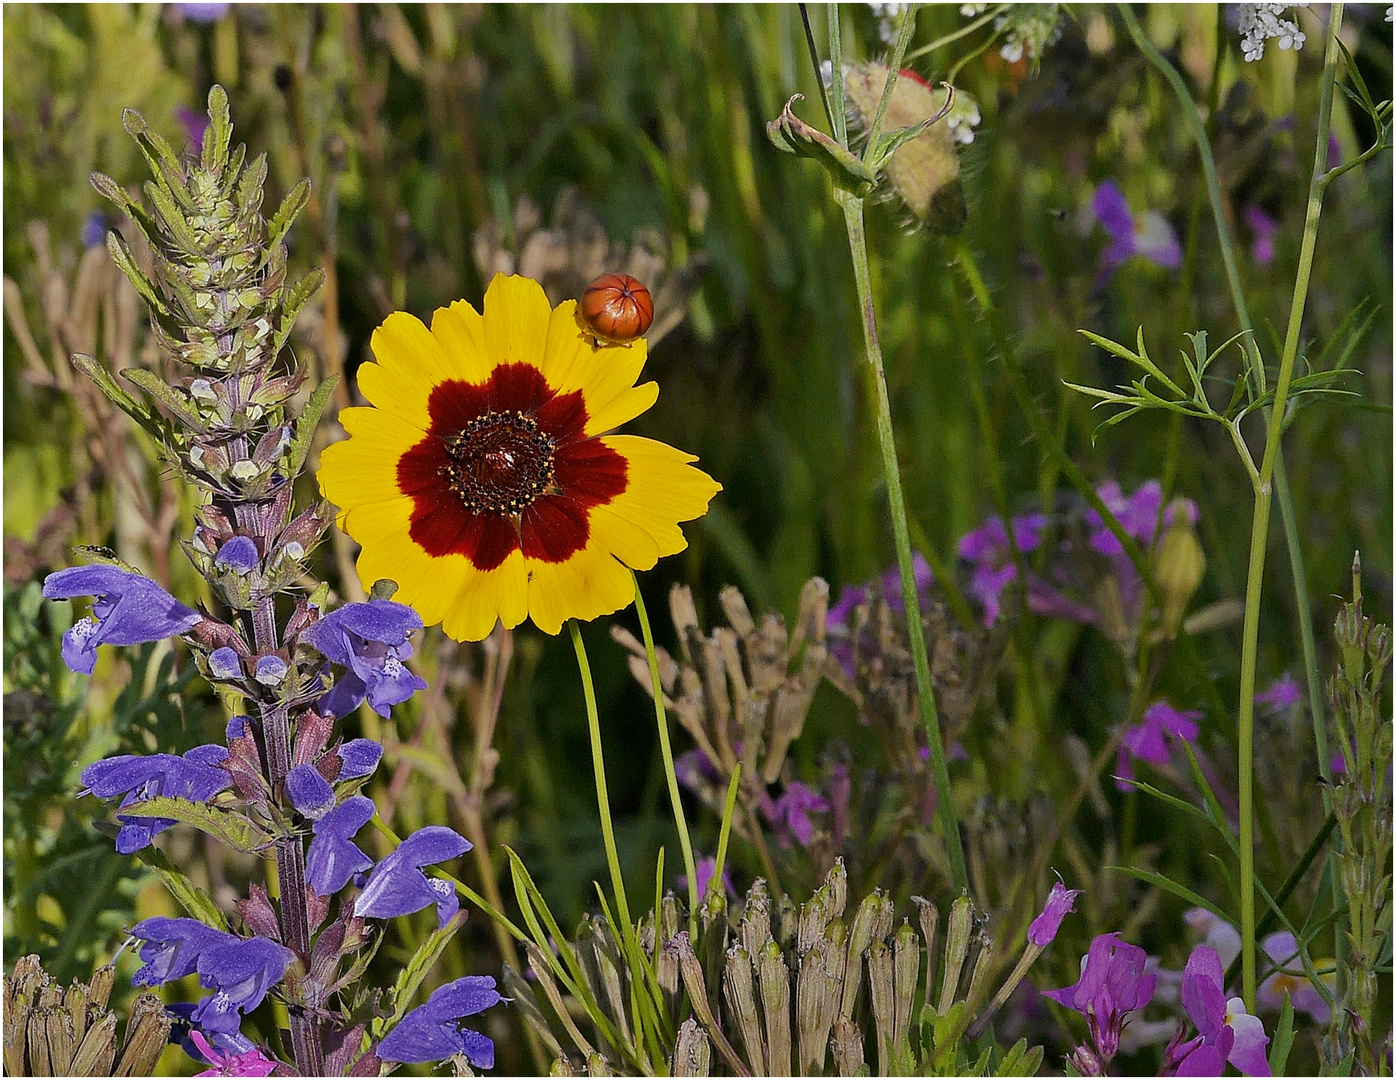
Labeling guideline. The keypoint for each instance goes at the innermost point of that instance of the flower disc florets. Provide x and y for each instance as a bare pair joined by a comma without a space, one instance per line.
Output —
500,462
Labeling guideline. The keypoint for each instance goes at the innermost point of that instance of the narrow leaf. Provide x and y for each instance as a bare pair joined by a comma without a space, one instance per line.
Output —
305,432
292,303
162,392
1284,1038
229,828
136,410
287,212
1171,886
121,255
189,896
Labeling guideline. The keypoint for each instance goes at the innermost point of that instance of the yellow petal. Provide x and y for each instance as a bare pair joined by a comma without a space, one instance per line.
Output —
486,597
363,468
461,331
661,489
516,321
589,584
410,363
605,374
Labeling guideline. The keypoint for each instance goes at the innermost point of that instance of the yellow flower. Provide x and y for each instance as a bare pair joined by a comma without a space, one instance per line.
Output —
483,481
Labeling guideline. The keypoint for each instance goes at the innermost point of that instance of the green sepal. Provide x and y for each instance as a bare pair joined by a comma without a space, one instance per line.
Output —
293,300
287,212
227,827
845,168
157,388
110,190
121,255
138,411
172,217
1284,1039
249,194
306,423
415,971
190,897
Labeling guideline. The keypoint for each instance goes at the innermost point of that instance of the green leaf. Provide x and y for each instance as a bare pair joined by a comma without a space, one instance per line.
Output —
292,303
412,974
157,388
136,410
1171,800
227,827
219,133
172,217
287,212
1283,1040
1171,886
121,255
189,896
845,168
305,429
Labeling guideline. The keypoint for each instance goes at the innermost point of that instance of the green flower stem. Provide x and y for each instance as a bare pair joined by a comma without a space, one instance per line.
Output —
954,36
729,806
877,392
894,69
603,800
657,690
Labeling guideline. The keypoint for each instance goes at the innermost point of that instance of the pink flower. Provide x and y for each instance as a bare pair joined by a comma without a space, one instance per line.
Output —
249,1063
1225,1031
1283,952
1060,901
1146,741
1283,693
1113,984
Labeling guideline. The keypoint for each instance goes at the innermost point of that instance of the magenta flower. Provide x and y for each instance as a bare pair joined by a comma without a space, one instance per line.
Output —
1225,1031
704,870
433,1032
1138,515
196,777
1060,901
248,1063
127,609
790,814
1282,693
1263,229
1113,984
1283,952
397,885
1148,234
1147,741
370,641
888,588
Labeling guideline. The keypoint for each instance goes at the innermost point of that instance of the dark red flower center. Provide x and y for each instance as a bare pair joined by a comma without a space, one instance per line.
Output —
506,465
499,462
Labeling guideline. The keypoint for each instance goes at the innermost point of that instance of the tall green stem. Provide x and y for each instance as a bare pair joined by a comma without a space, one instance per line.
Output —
657,690
603,800
877,393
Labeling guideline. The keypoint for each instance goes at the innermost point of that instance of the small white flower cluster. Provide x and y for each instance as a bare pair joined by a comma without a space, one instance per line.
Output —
887,18
1261,22
969,11
963,118
1028,30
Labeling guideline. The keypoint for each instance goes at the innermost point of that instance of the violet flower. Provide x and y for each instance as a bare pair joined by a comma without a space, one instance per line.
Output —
1060,901
433,1031
1226,1032
359,758
224,663
704,869
1263,229
172,948
94,229
397,885
789,815
1147,741
370,641
195,124
248,1063
1113,984
1148,234
309,792
128,609
195,777
888,588
1283,952
333,858
240,971
238,554
987,550
1282,693
203,13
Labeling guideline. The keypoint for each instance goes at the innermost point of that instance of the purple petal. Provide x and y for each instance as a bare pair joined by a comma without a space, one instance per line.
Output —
1155,239
172,948
397,885
1206,1060
1248,1049
333,859
224,663
359,757
128,610
271,670
378,620
432,1032
310,793
1282,693
203,13
239,554
1060,901
1203,997
1112,211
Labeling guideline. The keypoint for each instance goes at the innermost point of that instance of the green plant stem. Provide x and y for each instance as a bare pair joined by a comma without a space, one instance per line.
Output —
955,35
603,800
724,833
657,690
877,393
898,51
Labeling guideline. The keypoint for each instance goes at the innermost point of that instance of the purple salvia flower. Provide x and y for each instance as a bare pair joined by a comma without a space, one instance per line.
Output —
224,663
172,948
238,727
1282,693
333,858
271,670
1148,234
1146,741
1113,984
195,777
128,609
203,13
693,768
239,554
397,885
1283,952
1060,901
789,815
309,792
248,1063
433,1032
1226,1032
240,971
94,229
358,758
370,641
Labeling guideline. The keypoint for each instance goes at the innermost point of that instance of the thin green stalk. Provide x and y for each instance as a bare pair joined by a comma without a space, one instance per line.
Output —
657,689
898,51
840,113
603,800
955,35
877,392
725,831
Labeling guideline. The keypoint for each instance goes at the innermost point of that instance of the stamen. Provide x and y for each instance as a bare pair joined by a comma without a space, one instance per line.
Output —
500,463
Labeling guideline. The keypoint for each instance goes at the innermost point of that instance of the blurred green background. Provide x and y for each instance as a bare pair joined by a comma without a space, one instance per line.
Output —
440,139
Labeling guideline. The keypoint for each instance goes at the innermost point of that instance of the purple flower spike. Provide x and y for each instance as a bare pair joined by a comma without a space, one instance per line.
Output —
359,757
333,858
239,553
128,609
1060,901
224,663
1226,1032
310,793
433,1032
196,777
370,640
397,885
240,972
789,815
1113,983
172,948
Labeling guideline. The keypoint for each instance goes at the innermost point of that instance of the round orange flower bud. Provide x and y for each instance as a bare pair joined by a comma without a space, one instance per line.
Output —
616,308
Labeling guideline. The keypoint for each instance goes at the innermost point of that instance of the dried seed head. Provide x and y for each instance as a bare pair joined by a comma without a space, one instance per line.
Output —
739,990
906,962
773,977
847,1045
692,1051
147,1032
756,917
959,931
